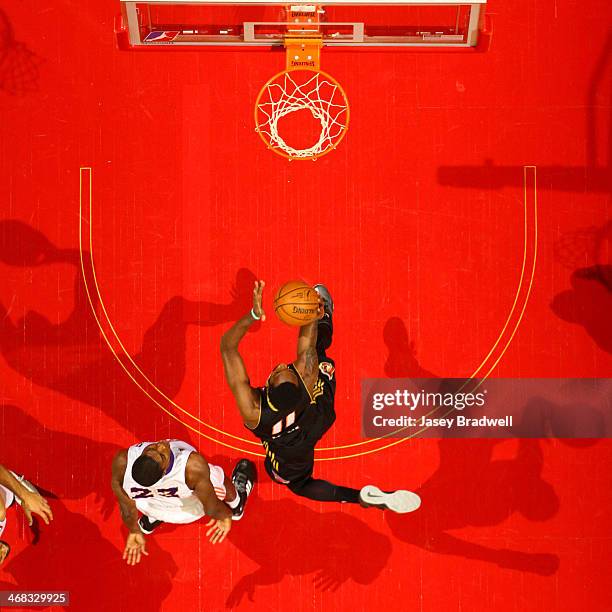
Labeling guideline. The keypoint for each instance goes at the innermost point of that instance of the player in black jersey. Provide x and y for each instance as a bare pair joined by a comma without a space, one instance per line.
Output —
295,408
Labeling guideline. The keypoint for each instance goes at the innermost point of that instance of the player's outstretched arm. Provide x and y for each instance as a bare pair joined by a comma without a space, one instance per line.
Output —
307,362
135,545
233,364
197,477
240,386
31,501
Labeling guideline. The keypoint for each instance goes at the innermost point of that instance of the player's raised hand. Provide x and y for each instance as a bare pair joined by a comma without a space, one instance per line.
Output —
32,502
219,528
134,548
257,300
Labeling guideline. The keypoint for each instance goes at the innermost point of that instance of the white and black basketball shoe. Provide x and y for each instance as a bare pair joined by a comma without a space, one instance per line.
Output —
243,478
147,526
401,502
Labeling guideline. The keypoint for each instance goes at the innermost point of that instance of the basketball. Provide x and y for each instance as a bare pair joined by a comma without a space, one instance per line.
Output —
296,303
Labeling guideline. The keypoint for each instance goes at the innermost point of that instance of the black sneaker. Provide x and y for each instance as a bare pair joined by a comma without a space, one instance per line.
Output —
396,501
147,526
243,478
325,295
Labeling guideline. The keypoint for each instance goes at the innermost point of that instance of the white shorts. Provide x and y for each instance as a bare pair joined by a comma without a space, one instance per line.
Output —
187,509
7,498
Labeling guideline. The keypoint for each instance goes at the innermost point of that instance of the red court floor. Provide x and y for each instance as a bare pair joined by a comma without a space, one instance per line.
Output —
445,257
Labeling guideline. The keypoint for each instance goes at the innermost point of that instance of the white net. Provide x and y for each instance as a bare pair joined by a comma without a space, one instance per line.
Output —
297,90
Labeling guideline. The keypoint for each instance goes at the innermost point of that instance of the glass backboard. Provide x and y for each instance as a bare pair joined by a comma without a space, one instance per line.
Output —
249,23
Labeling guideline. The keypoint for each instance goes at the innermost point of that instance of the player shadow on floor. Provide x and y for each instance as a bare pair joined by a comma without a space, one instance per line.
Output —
578,423
470,488
589,303
286,538
73,556
71,356
57,448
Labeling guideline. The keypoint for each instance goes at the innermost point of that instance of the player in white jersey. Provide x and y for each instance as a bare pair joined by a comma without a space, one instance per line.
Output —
16,488
169,481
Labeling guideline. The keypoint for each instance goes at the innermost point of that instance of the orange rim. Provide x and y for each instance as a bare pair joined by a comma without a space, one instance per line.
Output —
278,150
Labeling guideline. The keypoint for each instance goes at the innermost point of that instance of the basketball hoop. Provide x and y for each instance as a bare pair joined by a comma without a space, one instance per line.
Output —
302,87
297,90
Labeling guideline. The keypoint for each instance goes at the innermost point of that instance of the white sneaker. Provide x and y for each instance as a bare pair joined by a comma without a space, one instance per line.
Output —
396,501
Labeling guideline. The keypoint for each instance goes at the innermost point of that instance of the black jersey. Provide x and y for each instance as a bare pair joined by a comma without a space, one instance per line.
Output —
283,429
290,438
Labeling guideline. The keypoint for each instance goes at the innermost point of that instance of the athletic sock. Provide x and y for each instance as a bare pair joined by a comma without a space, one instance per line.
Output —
235,502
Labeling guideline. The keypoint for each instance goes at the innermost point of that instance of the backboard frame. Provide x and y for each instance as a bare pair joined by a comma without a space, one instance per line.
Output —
130,25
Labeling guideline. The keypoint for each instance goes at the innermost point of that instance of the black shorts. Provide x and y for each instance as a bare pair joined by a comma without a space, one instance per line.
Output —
296,463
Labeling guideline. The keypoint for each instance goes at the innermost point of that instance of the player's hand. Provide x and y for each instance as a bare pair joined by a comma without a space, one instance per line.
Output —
257,300
5,549
218,529
35,503
134,548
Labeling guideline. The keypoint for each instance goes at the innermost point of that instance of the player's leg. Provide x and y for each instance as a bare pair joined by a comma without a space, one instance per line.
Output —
235,491
321,490
369,496
296,475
